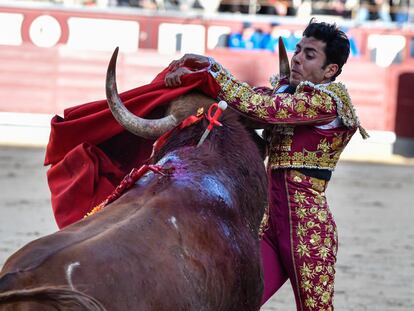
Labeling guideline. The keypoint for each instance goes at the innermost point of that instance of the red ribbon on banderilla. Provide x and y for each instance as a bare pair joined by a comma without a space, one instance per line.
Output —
220,107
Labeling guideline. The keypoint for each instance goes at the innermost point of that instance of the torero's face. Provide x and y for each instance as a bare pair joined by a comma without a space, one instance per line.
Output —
308,63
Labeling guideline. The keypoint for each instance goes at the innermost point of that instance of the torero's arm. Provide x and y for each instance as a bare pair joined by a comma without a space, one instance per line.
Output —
309,104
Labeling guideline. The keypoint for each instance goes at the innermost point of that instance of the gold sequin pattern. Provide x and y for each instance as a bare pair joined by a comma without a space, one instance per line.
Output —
314,240
304,106
311,104
322,154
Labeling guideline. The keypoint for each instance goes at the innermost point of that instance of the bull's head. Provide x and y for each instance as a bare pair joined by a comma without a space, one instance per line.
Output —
150,128
179,109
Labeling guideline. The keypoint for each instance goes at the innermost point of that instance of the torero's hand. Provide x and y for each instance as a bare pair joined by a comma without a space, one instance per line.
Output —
173,78
193,61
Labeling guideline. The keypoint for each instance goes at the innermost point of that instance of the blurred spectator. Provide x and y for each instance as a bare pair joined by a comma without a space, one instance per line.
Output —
248,38
374,10
400,10
355,52
235,38
209,6
383,10
304,10
270,39
282,7
251,38
123,3
274,7
147,4
234,6
289,39
353,46
337,8
185,5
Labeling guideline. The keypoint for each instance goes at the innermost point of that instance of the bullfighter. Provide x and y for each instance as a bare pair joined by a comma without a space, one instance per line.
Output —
310,119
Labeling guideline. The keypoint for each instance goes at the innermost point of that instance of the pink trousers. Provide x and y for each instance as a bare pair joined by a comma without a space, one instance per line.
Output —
300,243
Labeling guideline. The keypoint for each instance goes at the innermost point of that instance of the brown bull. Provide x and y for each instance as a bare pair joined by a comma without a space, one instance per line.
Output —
183,240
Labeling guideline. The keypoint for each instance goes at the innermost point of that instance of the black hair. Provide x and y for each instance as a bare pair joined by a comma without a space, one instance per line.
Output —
337,43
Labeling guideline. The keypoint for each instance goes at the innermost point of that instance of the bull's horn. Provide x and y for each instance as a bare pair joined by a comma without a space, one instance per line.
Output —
284,68
146,128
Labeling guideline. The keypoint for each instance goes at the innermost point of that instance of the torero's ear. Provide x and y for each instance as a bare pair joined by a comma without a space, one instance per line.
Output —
330,71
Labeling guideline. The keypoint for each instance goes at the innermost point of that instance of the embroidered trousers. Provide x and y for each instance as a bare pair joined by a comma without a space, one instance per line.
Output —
300,243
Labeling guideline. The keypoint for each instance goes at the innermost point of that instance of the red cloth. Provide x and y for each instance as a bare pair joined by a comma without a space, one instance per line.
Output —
90,153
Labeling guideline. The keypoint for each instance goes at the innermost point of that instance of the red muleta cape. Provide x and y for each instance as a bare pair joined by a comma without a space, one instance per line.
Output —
90,153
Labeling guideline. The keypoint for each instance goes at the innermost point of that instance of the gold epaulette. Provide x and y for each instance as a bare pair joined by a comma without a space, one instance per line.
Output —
345,109
347,112
276,81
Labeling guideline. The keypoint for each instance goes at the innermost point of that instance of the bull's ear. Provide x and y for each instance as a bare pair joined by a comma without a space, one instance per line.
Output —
284,68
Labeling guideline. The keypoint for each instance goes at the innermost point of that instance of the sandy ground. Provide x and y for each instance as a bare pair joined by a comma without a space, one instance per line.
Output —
372,204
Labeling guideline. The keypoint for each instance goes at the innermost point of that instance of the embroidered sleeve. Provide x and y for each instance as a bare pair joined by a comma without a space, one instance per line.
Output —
309,104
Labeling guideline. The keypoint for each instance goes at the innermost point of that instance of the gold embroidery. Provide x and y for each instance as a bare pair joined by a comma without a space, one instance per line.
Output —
323,252
307,270
325,161
324,146
315,238
311,113
256,99
317,184
310,302
287,101
298,159
262,112
300,107
303,250
301,231
244,106
309,102
300,197
316,242
322,216
268,101
286,143
296,175
316,100
264,224
284,159
311,157
301,213
282,114
346,112
320,199
337,142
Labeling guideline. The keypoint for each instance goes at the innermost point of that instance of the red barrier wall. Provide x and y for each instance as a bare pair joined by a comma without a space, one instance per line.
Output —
47,80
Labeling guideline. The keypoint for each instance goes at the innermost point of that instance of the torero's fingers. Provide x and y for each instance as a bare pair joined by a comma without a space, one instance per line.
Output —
174,65
168,80
178,81
174,81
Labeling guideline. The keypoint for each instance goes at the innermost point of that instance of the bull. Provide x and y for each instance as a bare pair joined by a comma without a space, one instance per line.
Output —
184,237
